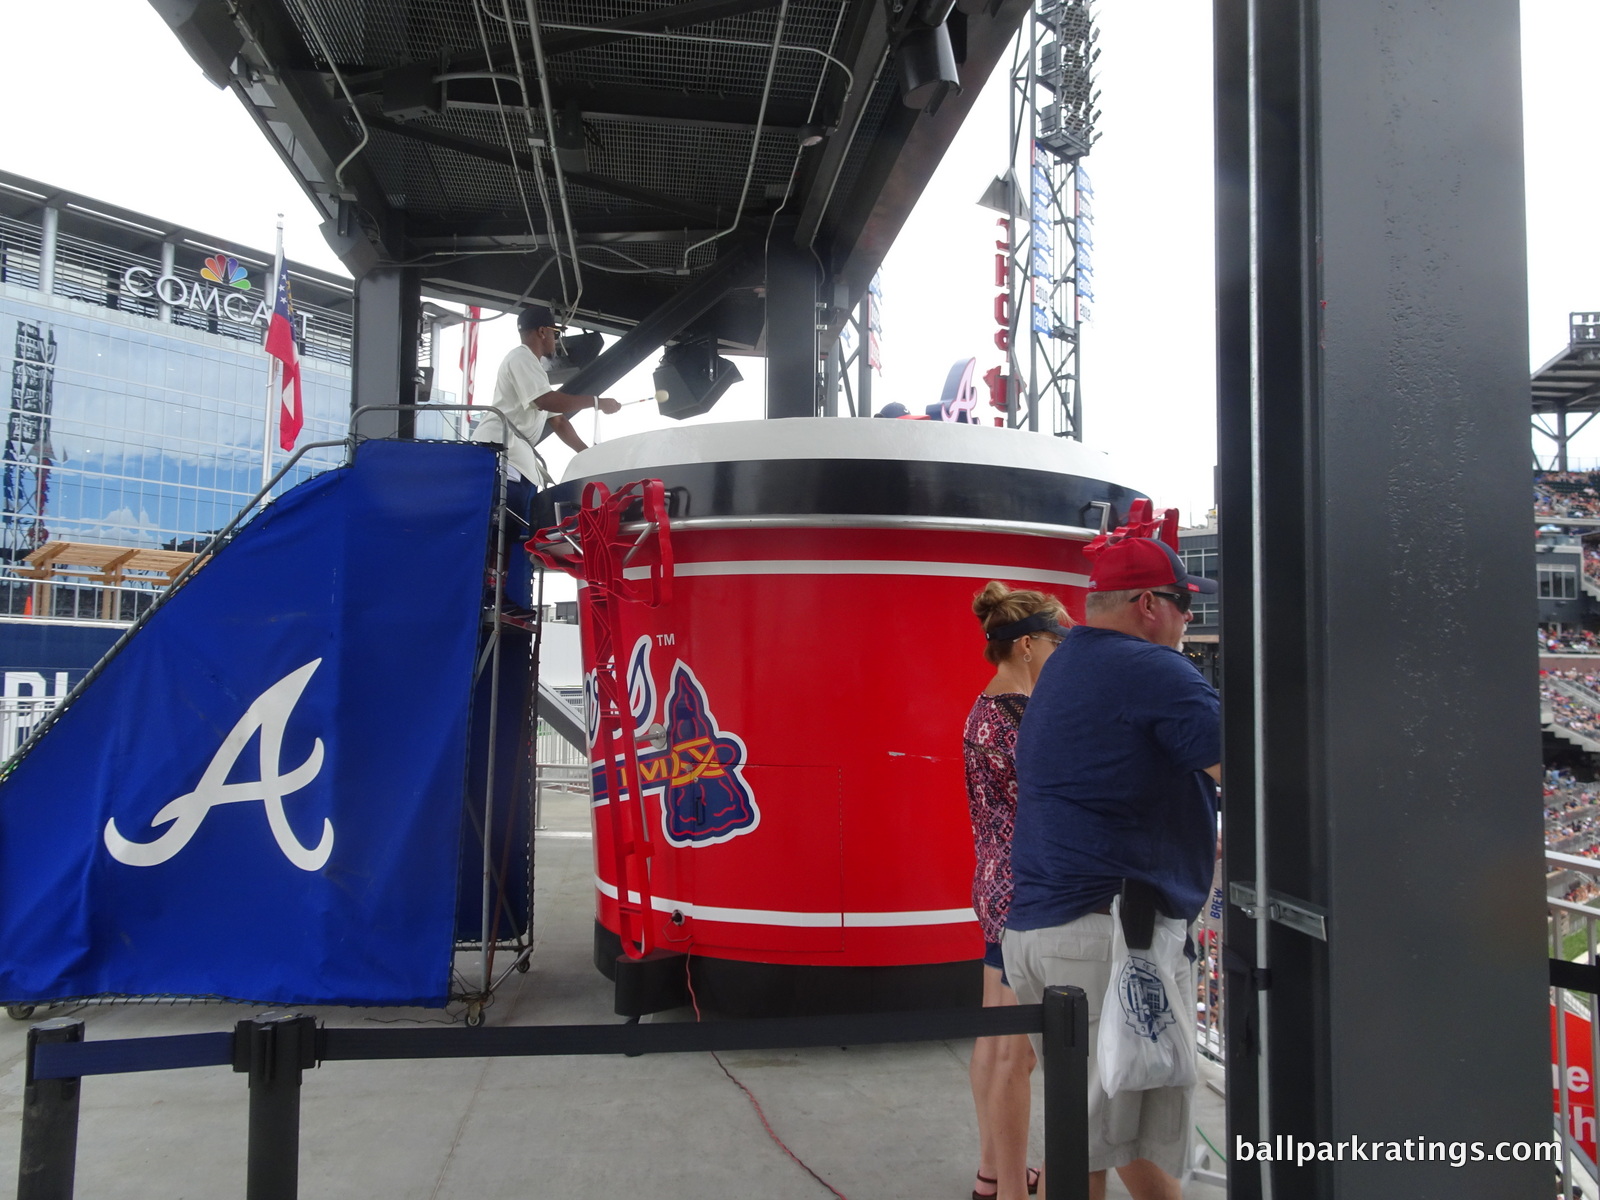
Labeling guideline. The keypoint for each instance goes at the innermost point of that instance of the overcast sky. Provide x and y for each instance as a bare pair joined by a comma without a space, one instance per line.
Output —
100,98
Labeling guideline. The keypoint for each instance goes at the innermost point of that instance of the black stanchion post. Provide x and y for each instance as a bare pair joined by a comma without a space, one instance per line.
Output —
1066,1093
274,1049
49,1122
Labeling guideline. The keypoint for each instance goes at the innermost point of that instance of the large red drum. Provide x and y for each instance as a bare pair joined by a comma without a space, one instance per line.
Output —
810,676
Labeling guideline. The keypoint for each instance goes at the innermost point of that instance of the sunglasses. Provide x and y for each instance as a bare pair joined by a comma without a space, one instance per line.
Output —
1181,600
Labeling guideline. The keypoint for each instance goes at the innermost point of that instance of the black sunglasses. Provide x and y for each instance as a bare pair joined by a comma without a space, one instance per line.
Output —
1181,599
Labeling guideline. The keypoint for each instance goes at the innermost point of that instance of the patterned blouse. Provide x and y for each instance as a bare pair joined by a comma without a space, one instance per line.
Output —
989,745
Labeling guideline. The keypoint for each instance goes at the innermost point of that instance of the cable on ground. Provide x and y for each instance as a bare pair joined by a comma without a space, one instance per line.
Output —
751,1096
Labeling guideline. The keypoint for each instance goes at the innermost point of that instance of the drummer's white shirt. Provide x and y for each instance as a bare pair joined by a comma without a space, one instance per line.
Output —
520,381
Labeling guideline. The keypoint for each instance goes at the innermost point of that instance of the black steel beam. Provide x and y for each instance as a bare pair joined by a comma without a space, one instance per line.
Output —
1372,374
868,41
492,233
610,302
683,15
559,41
736,268
652,106
628,191
300,100
490,152
855,231
692,109
207,31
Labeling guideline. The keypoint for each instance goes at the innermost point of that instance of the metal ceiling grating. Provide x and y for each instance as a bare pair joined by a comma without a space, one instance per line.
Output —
669,124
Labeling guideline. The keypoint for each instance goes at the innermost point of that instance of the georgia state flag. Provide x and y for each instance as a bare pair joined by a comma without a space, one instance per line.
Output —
280,344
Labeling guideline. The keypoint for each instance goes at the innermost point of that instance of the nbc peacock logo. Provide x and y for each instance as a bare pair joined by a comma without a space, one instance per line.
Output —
221,269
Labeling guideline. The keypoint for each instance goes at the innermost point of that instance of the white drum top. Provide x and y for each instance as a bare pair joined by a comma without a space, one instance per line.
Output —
842,438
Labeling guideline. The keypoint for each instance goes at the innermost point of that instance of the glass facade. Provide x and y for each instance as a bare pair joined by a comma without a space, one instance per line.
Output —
1202,561
144,434
127,430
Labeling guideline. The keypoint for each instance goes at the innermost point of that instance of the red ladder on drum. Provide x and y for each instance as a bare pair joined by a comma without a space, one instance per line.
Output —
591,546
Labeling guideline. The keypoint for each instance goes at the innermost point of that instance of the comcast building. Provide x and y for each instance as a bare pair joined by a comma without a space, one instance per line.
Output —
137,404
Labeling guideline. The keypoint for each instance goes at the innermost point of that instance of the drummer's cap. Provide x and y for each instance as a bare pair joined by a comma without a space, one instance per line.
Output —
535,316
1135,563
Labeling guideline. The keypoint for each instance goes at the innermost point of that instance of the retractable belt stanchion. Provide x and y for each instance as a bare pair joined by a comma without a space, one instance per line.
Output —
1066,1092
274,1049
49,1121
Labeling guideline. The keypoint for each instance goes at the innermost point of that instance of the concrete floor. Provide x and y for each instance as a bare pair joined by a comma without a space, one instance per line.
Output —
878,1123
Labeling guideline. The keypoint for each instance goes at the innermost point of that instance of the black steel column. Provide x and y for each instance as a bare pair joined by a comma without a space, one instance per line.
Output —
791,330
388,314
1372,375
864,356
47,1166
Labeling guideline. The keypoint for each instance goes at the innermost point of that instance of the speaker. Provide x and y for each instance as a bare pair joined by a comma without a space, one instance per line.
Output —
694,377
574,352
926,61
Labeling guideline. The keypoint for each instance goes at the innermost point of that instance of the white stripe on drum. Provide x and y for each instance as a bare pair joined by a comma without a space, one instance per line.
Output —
801,920
809,566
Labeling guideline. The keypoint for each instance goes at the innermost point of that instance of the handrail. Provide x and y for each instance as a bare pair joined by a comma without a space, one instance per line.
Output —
1556,858
505,423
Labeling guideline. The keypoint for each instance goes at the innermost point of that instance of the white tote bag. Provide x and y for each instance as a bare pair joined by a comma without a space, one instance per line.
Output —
1147,1020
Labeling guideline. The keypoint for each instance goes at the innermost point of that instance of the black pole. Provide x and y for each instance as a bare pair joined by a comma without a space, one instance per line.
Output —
49,1122
274,1049
1066,1092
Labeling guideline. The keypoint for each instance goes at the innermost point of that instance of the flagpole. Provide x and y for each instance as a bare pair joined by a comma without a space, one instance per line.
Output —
274,396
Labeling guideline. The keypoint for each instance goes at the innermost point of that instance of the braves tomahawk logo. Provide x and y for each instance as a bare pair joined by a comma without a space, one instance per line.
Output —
269,715
699,773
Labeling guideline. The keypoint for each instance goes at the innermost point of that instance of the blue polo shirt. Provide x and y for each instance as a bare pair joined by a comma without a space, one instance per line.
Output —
1111,780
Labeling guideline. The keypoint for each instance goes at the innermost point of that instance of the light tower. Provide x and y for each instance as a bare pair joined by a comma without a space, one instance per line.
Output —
1043,266
28,453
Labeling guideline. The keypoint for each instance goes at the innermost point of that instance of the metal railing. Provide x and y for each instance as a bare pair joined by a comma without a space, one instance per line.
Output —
63,598
18,716
1573,938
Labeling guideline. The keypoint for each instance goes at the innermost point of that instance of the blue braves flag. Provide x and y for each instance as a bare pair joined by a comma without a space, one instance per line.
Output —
261,795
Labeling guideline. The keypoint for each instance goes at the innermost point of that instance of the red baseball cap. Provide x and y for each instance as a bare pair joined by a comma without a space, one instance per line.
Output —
1137,563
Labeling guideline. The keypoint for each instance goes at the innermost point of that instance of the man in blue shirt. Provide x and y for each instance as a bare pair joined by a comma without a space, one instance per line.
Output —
1117,760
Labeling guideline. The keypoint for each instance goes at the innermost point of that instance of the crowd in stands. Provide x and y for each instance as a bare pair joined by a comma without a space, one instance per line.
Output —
1566,494
1580,893
1570,641
1571,807
1571,714
1572,824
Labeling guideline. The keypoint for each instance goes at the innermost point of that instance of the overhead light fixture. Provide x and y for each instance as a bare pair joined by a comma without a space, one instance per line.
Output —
811,135
572,142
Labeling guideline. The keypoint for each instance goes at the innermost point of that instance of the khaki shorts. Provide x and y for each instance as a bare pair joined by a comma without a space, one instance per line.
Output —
1131,1125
